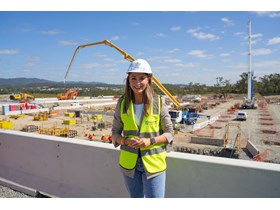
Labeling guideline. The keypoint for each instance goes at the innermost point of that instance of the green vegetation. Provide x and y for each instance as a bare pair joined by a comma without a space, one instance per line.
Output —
267,85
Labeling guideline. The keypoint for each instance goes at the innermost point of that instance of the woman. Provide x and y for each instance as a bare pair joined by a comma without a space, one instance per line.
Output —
143,128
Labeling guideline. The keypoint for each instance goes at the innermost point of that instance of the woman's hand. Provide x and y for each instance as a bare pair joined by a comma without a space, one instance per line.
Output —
137,142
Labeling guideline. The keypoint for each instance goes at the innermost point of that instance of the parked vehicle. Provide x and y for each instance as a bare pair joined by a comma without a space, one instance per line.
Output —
76,104
184,117
241,116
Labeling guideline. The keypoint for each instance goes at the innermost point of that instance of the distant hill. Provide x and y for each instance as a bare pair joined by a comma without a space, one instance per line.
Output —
23,82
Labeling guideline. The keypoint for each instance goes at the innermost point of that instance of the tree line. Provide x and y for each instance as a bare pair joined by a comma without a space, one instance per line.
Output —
266,85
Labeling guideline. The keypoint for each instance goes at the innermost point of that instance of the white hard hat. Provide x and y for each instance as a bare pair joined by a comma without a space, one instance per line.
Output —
140,66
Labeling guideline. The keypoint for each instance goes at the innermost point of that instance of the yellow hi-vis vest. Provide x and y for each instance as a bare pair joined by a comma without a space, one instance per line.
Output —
154,156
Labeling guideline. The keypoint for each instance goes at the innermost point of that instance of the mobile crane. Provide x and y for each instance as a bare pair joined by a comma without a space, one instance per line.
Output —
249,102
177,105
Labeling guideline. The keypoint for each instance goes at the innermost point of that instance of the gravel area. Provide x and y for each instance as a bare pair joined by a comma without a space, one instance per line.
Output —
6,192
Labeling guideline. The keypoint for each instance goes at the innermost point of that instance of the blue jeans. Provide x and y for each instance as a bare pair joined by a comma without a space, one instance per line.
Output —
140,186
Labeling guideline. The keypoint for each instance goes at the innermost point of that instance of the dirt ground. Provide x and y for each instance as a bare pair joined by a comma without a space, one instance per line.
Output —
262,128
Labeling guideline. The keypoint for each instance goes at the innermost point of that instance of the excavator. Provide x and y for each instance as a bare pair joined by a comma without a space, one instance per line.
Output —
22,97
176,104
68,95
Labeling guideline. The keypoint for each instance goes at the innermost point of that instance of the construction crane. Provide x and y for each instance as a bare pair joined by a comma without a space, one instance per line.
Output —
127,57
249,102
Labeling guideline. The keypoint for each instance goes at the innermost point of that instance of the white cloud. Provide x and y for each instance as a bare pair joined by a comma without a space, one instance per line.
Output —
90,65
275,40
227,21
268,64
268,14
99,54
139,54
29,65
9,52
240,66
160,35
225,54
253,36
51,32
172,60
115,38
239,34
66,43
199,54
261,52
175,28
159,58
31,62
161,67
226,60
173,50
201,35
26,71
186,65
108,64
108,59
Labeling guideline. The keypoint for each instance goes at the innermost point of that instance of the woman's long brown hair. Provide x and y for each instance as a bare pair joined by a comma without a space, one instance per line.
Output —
147,96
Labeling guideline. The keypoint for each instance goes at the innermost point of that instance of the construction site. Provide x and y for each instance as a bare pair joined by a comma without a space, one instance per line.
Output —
235,126
215,130
69,128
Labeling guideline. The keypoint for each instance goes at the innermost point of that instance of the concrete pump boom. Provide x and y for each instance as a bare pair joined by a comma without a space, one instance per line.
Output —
128,57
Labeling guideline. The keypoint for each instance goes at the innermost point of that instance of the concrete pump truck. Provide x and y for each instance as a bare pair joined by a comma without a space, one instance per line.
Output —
127,57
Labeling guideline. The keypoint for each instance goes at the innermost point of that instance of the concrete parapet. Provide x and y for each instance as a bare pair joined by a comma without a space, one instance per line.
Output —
62,167
252,148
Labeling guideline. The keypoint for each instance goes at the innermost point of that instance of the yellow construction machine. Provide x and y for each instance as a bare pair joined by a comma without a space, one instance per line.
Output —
22,97
177,105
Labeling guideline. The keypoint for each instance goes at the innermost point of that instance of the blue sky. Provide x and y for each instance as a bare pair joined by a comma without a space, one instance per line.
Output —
181,46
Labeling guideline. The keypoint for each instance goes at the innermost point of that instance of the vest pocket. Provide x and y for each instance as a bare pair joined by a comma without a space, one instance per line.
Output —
128,160
155,163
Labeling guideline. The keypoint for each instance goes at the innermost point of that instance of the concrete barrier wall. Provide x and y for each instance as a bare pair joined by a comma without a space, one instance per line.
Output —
63,167
203,124
26,111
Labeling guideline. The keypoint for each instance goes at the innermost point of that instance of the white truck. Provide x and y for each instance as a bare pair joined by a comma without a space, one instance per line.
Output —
76,104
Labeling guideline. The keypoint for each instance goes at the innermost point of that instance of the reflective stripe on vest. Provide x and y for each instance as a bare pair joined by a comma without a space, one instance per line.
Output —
154,156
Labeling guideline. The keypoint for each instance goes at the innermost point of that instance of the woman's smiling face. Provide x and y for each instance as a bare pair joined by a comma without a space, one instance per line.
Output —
138,82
